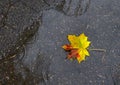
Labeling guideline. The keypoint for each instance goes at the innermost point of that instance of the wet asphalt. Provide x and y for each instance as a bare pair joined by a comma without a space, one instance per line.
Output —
33,31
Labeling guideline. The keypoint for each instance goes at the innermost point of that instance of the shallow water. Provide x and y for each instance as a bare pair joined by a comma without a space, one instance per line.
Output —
32,33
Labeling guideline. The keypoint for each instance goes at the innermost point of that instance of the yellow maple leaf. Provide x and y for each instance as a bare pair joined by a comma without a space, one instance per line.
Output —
77,47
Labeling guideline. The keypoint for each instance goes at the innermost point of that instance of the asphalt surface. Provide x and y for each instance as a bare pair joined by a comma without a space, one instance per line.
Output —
33,31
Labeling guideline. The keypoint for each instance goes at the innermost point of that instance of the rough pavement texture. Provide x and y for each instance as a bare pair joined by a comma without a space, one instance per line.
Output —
33,31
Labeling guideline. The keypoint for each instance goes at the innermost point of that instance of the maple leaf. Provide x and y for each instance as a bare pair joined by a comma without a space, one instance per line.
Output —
77,47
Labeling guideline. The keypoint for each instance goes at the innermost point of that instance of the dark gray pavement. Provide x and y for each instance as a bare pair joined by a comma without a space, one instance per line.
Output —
33,31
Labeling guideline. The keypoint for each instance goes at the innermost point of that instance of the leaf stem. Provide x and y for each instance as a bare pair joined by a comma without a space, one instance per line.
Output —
102,50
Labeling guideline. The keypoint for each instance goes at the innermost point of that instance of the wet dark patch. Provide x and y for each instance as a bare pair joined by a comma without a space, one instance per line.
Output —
25,36
13,41
7,63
